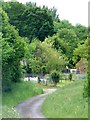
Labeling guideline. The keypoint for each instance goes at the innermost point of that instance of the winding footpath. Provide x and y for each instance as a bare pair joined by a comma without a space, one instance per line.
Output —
31,108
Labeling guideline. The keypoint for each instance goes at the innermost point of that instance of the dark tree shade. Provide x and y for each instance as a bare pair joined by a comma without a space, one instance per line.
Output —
37,23
32,21
14,11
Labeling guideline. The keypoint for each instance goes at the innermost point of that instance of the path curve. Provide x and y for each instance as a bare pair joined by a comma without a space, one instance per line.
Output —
31,108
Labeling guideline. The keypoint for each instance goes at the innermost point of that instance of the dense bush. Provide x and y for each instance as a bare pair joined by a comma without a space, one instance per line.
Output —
55,77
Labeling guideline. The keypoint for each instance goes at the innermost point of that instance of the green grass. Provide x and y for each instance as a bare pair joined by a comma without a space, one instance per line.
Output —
67,102
51,85
0,105
20,92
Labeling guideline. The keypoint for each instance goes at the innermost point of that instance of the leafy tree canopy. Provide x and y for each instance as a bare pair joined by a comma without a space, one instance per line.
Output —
13,51
58,25
81,31
46,58
32,21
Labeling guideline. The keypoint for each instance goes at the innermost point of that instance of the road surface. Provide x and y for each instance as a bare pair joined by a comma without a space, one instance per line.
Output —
31,108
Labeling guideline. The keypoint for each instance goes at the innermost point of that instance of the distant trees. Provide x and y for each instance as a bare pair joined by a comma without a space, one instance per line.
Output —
53,13
65,41
81,51
68,38
81,31
58,25
45,58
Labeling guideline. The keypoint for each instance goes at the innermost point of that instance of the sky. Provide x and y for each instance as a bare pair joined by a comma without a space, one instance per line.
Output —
75,11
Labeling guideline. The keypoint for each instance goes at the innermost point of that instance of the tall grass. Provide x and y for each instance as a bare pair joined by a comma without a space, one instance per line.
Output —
67,102
20,92
0,105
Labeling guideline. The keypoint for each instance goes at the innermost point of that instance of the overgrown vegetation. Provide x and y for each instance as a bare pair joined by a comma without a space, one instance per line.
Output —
67,102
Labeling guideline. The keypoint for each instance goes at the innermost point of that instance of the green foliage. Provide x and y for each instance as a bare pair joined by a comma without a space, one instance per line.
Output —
52,12
58,25
55,77
37,22
81,31
59,44
14,11
68,35
68,38
65,41
45,58
81,51
13,51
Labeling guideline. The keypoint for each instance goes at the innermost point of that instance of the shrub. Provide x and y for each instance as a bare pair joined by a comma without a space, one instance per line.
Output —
55,77
70,76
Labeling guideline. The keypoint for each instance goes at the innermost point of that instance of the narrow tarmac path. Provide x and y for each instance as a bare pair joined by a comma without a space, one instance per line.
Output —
31,108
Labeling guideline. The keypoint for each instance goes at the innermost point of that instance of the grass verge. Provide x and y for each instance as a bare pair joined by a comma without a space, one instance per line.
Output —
20,92
67,102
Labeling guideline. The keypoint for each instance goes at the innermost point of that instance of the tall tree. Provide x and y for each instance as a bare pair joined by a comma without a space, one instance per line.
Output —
45,58
65,41
32,21
81,51
81,31
54,14
14,11
58,25
13,50
37,23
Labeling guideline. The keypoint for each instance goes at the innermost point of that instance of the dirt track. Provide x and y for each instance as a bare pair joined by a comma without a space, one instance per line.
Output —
31,108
